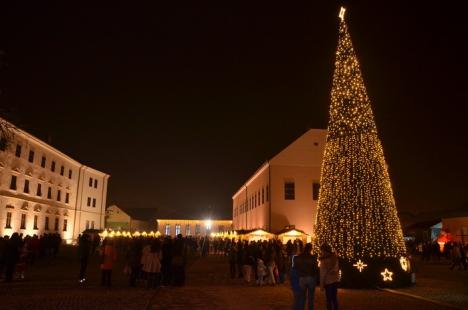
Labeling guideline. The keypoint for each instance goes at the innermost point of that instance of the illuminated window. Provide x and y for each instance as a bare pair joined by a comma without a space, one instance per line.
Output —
187,229
18,150
56,226
197,229
315,190
43,162
31,156
167,230
8,220
35,223
289,190
46,223
92,224
65,222
26,186
52,166
177,229
13,182
23,221
39,189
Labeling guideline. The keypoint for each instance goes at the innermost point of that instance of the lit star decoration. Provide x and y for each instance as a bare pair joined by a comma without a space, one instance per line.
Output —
404,263
360,265
387,275
357,215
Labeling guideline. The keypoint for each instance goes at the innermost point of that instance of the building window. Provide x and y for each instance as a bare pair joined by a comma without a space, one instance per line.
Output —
26,186
263,195
62,170
43,162
187,229
52,166
46,224
94,202
56,226
289,190
167,229
70,174
39,189
315,191
65,222
31,156
67,197
23,221
49,193
89,202
267,193
3,144
92,224
35,222
255,200
59,195
8,220
177,229
13,182
95,183
258,198
18,150
90,182
87,224
197,229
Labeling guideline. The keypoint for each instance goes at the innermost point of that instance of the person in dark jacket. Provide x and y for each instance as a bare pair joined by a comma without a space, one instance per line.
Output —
307,269
11,256
179,261
84,248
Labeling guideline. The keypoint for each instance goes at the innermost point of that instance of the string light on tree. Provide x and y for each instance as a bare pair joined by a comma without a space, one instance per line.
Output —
356,214
360,265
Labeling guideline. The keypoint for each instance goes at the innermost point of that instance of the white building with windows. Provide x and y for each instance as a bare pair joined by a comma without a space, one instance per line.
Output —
284,190
43,190
194,227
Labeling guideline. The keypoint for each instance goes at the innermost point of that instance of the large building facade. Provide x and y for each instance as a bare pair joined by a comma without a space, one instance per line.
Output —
43,190
283,191
186,227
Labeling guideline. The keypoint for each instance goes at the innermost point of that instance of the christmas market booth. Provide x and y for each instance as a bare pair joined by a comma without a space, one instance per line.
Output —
291,233
255,235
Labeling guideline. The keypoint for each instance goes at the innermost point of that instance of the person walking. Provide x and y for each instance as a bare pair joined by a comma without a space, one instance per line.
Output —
329,276
108,256
306,266
84,248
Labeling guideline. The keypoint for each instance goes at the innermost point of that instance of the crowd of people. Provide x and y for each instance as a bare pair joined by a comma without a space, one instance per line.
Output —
18,251
455,252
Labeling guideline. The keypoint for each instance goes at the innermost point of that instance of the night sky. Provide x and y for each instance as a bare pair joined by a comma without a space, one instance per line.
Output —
180,103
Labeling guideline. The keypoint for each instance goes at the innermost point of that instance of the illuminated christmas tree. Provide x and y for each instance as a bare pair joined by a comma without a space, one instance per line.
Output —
357,215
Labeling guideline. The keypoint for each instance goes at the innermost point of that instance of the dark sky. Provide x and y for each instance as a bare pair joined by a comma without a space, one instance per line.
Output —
180,103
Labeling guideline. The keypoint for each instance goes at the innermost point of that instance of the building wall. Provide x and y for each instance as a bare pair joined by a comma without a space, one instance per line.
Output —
205,227
61,175
299,163
456,226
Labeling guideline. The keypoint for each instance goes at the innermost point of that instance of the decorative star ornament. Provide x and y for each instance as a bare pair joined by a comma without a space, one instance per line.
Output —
404,263
387,275
360,265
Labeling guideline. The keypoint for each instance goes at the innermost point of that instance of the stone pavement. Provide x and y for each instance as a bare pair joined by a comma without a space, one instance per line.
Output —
52,284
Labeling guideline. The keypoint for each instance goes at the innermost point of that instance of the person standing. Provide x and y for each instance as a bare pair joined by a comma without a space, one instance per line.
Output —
179,261
232,256
329,276
151,265
84,248
108,256
307,270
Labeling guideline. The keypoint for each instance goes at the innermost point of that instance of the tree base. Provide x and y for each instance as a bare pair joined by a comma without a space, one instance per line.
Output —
376,272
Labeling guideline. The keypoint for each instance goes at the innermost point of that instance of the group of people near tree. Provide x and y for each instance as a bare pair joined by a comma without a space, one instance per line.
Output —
18,251
452,251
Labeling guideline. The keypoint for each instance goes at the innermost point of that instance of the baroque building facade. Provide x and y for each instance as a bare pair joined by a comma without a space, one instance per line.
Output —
42,190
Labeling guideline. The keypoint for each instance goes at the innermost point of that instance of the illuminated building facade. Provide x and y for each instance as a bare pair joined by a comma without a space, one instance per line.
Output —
284,190
173,227
43,190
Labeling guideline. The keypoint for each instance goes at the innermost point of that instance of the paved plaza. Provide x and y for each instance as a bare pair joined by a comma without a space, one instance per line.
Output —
53,284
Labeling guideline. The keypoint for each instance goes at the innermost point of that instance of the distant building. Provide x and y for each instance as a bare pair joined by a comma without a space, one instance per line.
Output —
130,219
284,191
42,190
186,227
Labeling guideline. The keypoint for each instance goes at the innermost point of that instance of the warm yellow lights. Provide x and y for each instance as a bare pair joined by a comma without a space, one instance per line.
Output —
387,275
357,215
404,263
342,13
360,265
